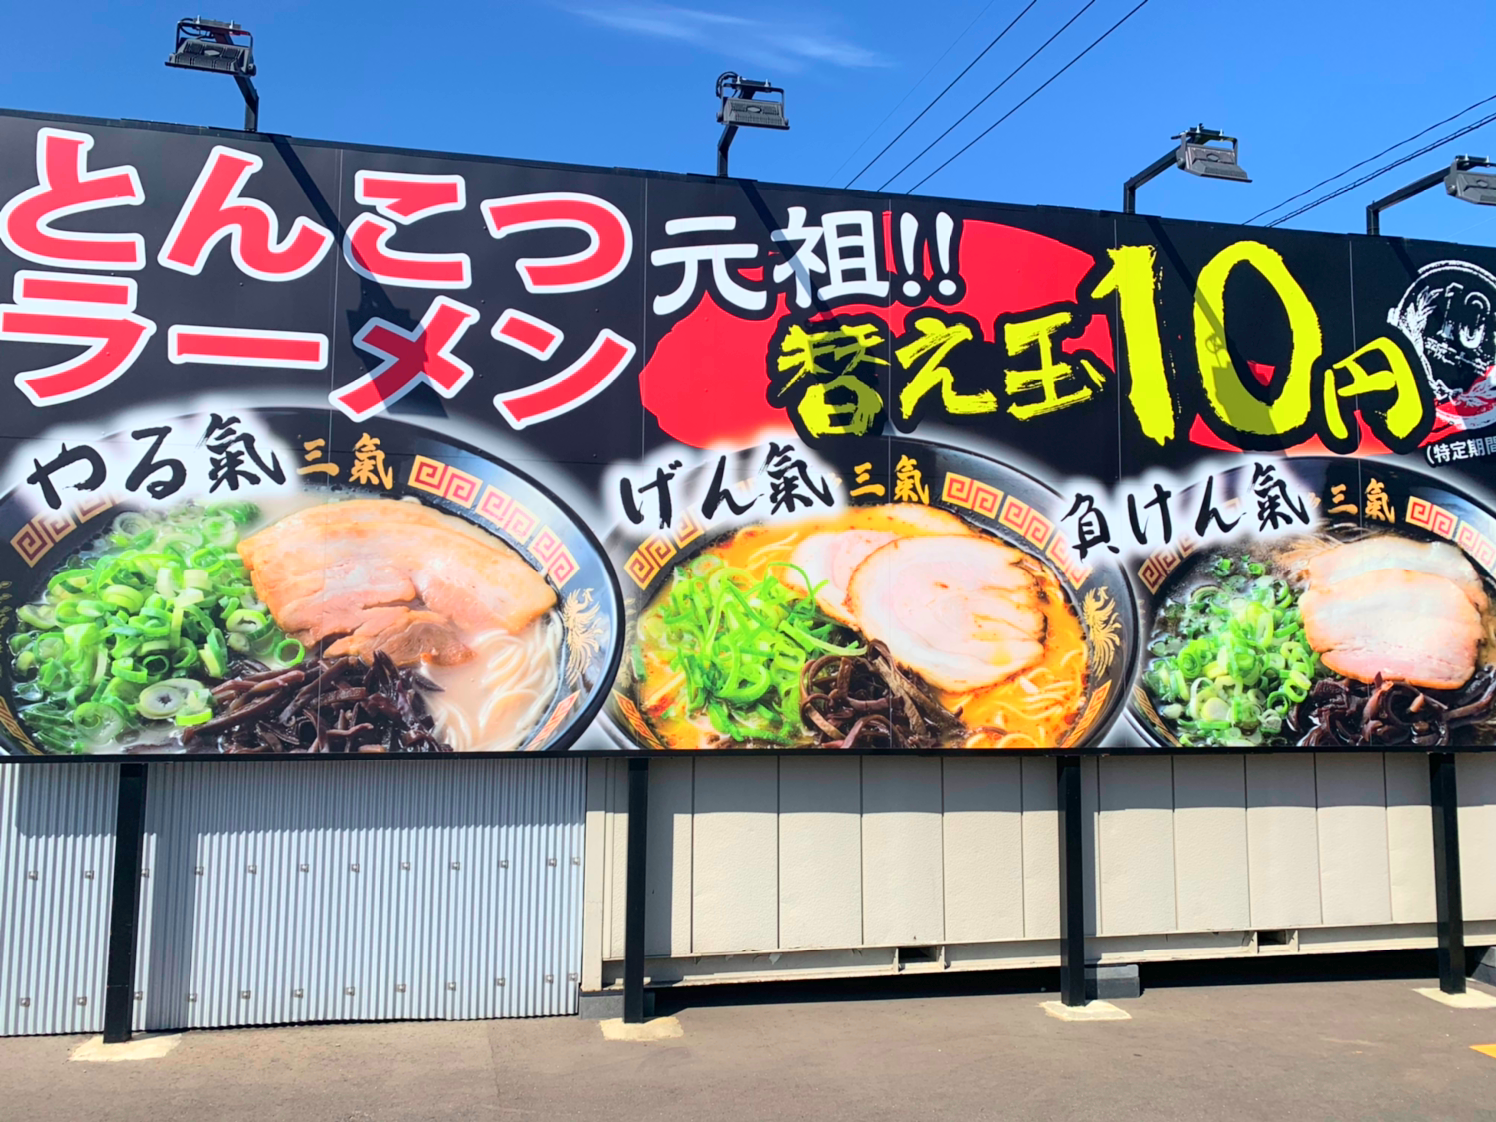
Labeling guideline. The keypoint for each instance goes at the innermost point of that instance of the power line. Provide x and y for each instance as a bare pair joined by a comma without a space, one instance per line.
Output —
1478,222
1011,75
1378,156
910,94
1094,44
1365,179
942,93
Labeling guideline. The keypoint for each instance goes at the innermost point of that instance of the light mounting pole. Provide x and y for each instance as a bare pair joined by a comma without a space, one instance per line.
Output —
1461,179
212,45
1199,153
739,109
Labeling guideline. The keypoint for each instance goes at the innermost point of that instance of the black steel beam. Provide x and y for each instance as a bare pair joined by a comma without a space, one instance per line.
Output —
1448,903
1072,883
634,890
129,842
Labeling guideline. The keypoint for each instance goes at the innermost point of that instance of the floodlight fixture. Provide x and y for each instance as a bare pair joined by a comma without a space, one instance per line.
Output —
740,109
1473,186
1461,179
1200,152
220,47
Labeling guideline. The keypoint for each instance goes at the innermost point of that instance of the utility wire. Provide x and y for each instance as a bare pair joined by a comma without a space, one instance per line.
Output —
1378,156
941,94
1365,179
1478,222
1011,75
908,95
1094,44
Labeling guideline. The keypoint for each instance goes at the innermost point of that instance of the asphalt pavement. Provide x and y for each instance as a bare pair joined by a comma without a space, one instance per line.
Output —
1310,1049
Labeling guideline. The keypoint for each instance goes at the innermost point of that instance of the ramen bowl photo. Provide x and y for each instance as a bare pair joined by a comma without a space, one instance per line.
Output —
423,597
1374,627
955,618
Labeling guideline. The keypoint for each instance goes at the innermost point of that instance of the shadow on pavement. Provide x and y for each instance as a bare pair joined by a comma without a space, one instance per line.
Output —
1265,970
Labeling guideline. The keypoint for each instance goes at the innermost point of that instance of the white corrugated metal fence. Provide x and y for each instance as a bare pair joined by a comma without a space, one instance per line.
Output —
56,858
305,891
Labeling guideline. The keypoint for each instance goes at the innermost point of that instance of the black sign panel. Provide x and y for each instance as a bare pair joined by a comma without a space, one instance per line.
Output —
313,449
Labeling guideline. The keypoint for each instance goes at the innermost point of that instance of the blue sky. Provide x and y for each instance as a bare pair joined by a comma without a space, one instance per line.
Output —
1310,86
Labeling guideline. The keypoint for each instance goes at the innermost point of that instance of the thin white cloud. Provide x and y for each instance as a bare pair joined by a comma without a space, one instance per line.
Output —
786,45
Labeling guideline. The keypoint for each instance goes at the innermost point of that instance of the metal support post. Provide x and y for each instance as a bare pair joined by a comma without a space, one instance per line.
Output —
728,132
633,908
1374,210
1072,884
129,842
251,103
1153,170
1449,907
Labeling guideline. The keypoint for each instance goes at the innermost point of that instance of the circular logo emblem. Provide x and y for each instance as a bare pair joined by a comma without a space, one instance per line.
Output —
1449,315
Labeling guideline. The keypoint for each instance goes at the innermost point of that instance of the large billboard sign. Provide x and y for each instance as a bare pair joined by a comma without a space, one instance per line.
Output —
315,449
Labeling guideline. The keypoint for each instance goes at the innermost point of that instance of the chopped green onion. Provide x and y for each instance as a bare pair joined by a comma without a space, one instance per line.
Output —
160,701
97,724
246,621
739,643
214,661
40,616
110,643
289,652
1235,660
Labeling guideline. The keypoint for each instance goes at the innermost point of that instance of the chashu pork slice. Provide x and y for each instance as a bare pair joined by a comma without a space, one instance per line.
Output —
386,575
1389,552
829,559
909,519
1408,626
962,612
407,635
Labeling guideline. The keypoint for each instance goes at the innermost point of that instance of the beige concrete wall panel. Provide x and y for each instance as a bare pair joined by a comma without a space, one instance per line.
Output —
735,855
618,849
1475,776
983,849
1041,850
1135,846
902,853
1282,841
1210,843
667,914
1410,837
755,861
820,852
1355,881
1090,805
597,870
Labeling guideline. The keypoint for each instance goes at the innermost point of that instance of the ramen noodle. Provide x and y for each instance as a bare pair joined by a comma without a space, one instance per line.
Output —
932,618
316,626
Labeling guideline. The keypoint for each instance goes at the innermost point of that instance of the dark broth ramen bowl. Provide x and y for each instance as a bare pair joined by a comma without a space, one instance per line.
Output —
995,498
1406,502
377,458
